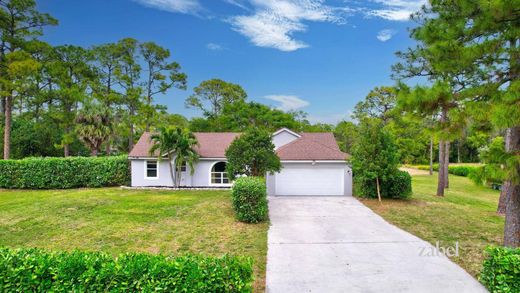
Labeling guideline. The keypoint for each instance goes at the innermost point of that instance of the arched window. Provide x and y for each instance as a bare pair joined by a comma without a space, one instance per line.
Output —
219,174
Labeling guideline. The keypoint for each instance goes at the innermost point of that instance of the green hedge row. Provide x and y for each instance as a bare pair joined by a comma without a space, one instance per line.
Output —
249,196
501,270
35,270
57,173
397,185
455,170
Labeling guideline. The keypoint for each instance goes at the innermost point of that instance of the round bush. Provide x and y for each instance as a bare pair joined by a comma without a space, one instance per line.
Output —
250,199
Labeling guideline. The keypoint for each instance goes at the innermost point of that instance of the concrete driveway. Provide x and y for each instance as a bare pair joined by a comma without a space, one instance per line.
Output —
336,244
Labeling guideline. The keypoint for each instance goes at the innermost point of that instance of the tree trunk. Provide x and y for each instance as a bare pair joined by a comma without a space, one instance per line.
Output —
431,156
502,200
447,165
107,148
458,151
94,152
7,127
512,223
66,150
131,138
171,170
441,177
2,108
378,191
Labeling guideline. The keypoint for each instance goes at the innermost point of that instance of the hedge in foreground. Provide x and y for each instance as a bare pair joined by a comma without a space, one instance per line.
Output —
58,173
397,185
35,270
250,199
501,270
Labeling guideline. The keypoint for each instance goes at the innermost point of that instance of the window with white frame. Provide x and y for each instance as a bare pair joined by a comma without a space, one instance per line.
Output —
219,174
151,169
183,167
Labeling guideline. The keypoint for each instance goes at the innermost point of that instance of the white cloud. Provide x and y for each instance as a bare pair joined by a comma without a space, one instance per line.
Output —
238,3
385,35
398,10
287,102
179,6
274,22
214,47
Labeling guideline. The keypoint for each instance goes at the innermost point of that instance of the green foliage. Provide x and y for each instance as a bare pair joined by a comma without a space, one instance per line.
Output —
346,133
250,199
397,185
178,142
501,270
94,126
252,154
210,96
240,115
380,103
59,173
375,158
35,270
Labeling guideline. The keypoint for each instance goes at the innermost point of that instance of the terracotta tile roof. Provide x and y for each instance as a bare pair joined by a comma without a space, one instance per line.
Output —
311,146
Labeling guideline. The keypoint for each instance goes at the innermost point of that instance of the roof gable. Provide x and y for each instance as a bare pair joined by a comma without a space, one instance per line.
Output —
312,146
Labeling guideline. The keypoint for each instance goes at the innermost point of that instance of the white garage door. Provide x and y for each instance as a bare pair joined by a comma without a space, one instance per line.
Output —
306,179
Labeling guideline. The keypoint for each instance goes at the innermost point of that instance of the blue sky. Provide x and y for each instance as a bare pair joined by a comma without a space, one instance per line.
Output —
318,56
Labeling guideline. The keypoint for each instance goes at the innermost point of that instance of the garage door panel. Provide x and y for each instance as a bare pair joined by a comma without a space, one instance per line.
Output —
310,180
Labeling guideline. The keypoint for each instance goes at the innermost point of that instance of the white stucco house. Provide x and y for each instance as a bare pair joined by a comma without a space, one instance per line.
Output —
312,164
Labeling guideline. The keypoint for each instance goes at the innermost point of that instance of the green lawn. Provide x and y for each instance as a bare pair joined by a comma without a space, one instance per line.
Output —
466,214
116,220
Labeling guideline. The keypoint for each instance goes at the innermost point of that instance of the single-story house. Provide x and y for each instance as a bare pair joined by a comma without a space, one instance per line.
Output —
312,164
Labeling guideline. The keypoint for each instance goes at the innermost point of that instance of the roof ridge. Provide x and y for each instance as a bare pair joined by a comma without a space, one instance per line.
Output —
338,150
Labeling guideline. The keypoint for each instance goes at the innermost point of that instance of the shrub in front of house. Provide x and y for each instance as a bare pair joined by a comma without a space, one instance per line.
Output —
249,196
501,270
396,185
60,173
35,270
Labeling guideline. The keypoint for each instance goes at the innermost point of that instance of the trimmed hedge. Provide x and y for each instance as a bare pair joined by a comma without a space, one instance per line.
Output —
250,199
455,170
60,173
501,270
35,270
397,185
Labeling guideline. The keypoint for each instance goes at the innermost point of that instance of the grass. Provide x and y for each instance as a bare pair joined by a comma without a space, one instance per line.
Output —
116,221
466,214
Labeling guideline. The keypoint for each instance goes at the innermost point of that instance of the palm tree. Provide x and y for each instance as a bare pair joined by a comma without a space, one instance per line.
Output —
94,127
178,142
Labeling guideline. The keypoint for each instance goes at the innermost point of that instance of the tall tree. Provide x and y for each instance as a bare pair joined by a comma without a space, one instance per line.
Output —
20,23
162,75
210,96
379,103
128,73
107,57
73,76
483,38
